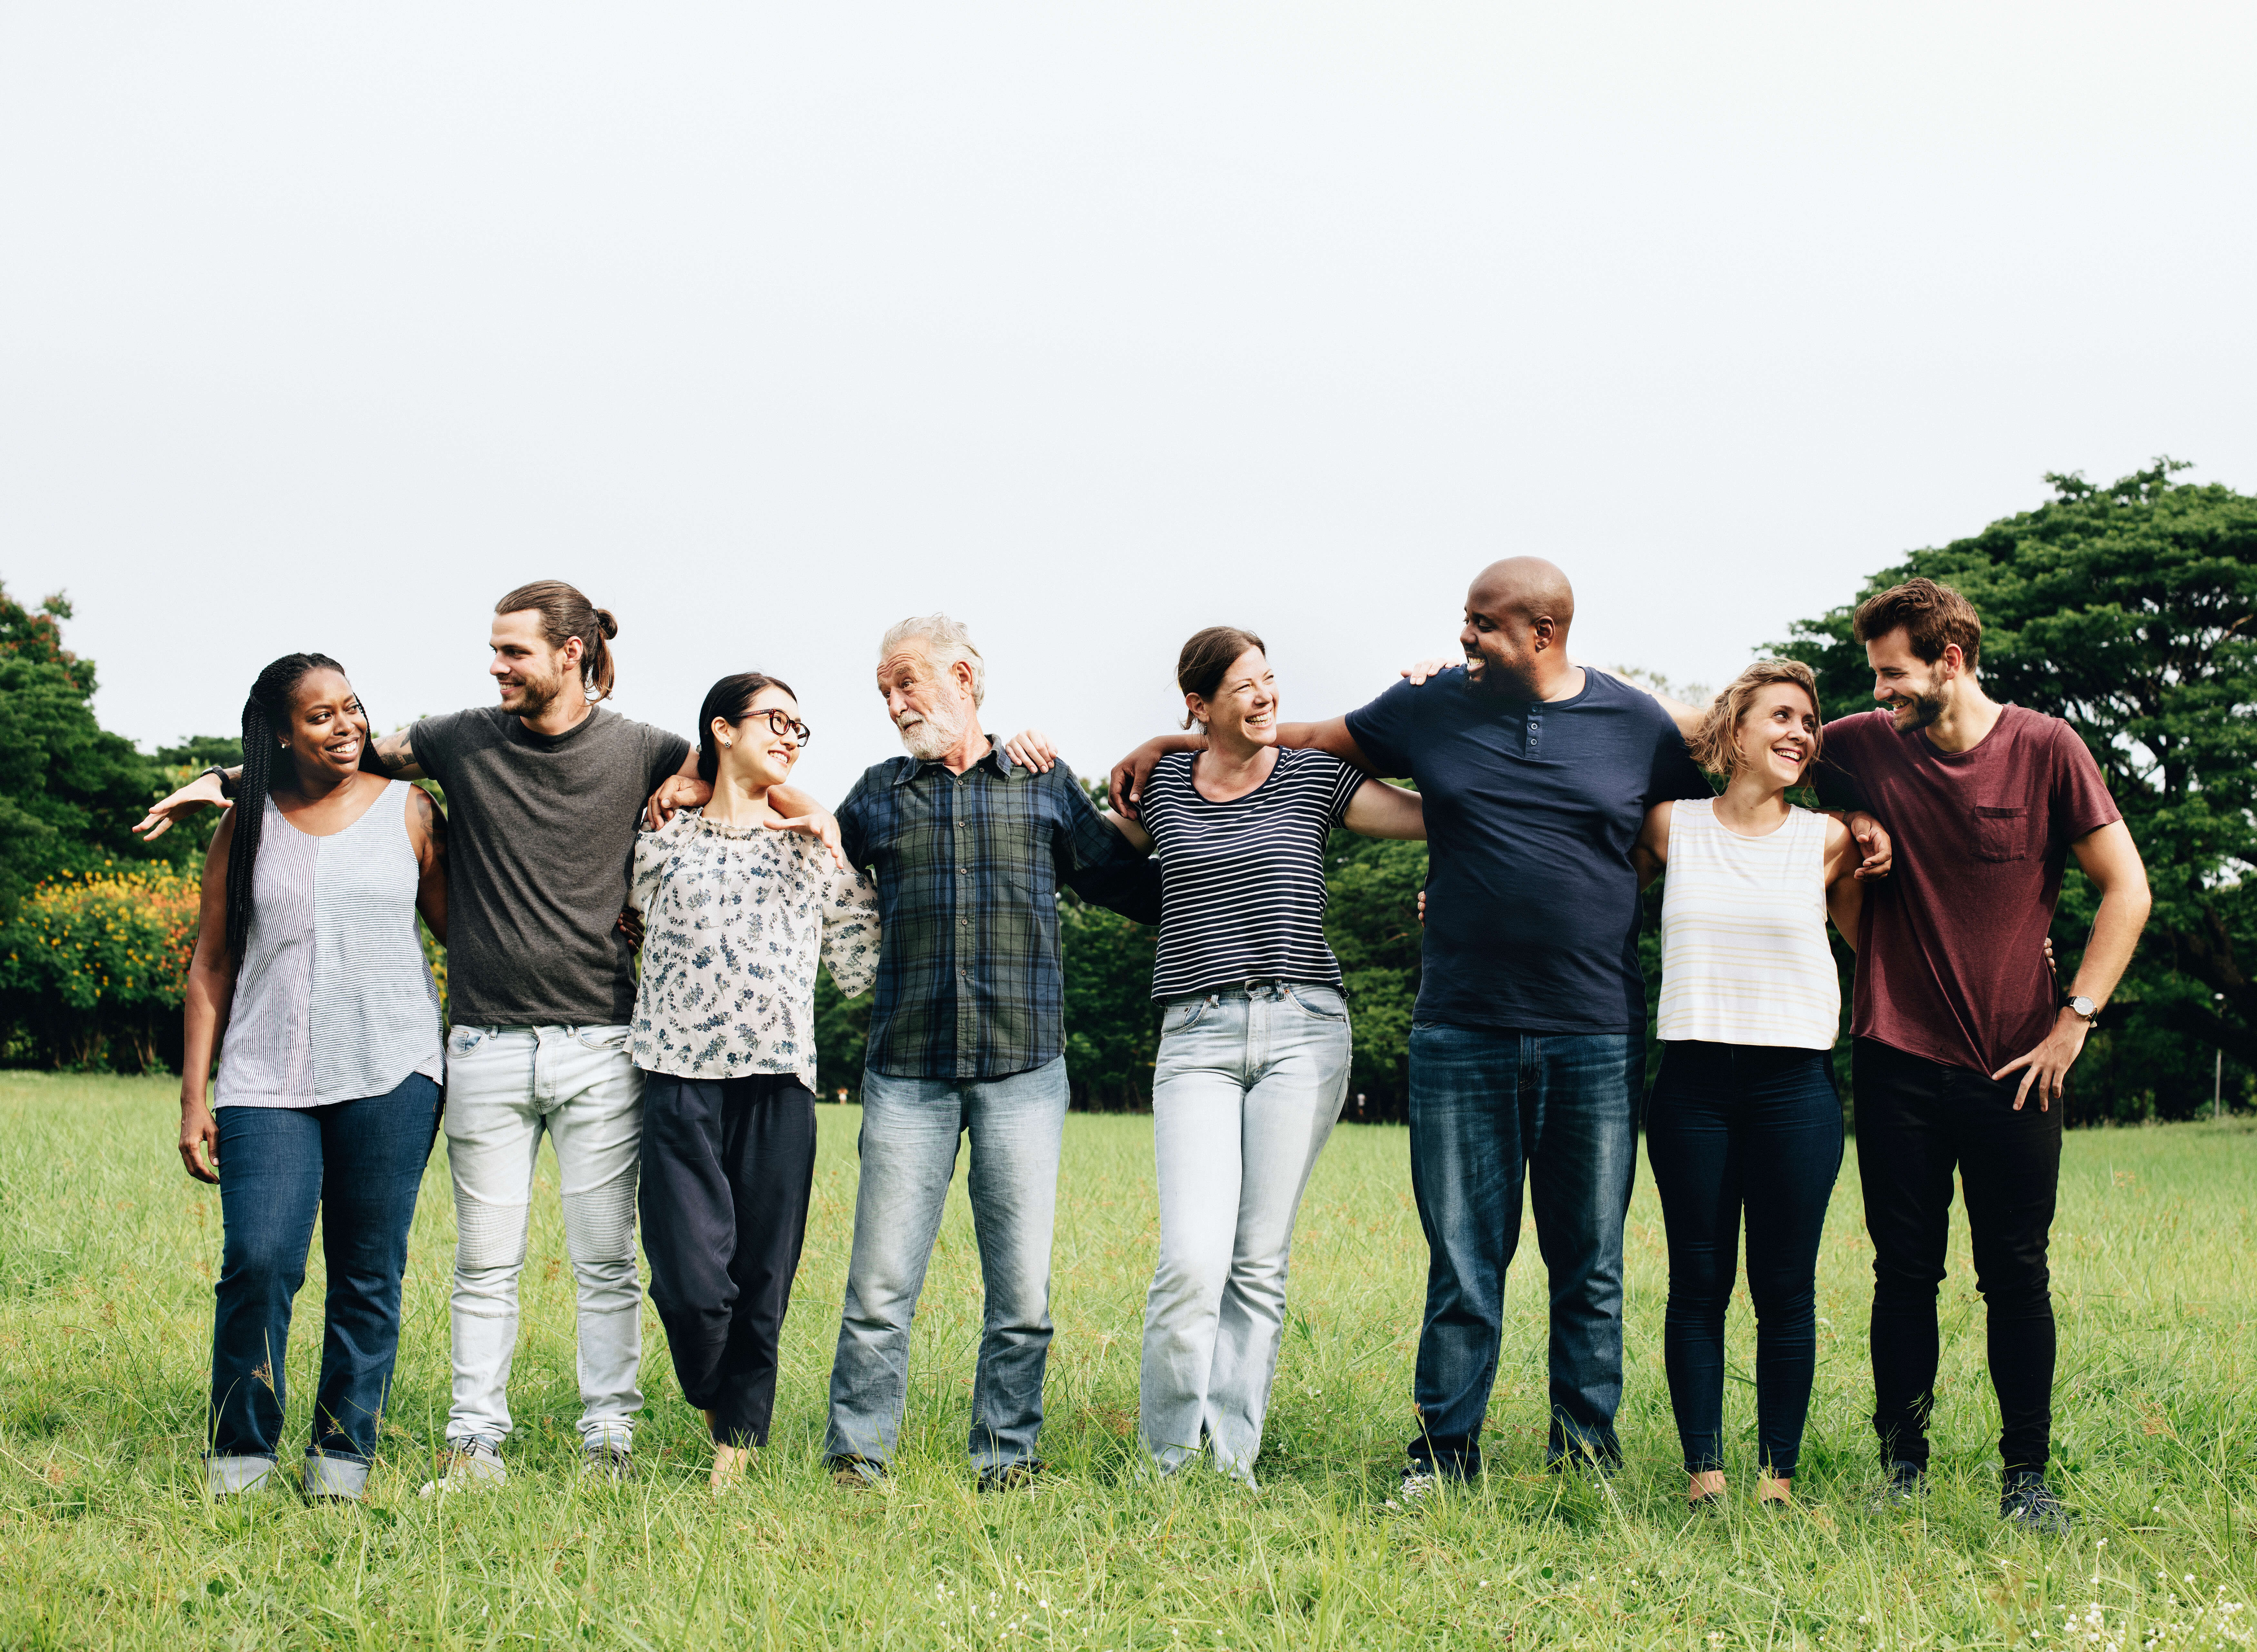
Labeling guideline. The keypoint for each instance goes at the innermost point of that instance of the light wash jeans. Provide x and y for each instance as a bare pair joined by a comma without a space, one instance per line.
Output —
505,1086
1246,1090
910,1130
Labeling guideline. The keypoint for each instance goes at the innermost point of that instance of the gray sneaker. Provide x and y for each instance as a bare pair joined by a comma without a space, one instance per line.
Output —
1903,1487
607,1460
473,1464
231,1476
340,1479
858,1474
2028,1502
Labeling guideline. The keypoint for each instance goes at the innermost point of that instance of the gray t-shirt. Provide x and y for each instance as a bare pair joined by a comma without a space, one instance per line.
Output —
540,846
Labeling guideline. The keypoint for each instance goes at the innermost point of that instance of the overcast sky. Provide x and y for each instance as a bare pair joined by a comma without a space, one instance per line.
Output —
322,326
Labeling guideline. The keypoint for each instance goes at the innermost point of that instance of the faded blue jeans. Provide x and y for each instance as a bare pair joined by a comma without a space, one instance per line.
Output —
1246,1090
910,1129
1489,1108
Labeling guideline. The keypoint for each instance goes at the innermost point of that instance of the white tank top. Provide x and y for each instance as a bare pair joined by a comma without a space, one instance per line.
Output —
1743,952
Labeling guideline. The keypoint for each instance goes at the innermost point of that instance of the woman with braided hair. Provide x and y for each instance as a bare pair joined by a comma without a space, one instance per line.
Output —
309,978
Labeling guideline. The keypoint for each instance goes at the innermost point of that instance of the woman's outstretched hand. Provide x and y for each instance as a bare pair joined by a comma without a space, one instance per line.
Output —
201,793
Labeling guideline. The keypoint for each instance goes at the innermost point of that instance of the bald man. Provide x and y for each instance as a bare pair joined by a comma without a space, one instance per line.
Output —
1527,1044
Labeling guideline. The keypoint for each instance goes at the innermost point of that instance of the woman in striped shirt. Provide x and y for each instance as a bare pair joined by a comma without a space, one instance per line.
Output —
1744,1114
1253,1063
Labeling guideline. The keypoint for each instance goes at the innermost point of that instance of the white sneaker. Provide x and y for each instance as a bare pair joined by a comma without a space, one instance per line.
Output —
604,1459
1420,1485
473,1463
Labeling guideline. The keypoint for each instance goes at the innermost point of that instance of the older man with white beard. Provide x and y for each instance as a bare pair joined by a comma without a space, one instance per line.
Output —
968,849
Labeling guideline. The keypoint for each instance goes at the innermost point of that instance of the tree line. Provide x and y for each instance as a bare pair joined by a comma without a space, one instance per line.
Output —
2130,610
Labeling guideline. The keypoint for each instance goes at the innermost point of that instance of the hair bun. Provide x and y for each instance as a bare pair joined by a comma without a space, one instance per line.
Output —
606,623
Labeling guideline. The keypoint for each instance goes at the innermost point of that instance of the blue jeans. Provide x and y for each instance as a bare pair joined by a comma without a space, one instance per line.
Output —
1246,1088
908,1141
1734,1126
357,1164
1486,1106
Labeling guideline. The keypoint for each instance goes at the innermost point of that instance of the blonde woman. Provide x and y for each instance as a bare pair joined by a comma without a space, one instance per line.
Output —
1743,1120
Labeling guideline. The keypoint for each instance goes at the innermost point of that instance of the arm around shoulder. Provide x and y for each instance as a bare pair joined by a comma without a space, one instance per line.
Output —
1381,811
1650,852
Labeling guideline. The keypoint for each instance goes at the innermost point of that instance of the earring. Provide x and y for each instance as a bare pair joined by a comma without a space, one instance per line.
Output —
728,745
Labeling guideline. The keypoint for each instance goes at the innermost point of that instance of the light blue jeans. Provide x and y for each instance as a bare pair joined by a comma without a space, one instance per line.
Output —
1246,1090
910,1131
505,1087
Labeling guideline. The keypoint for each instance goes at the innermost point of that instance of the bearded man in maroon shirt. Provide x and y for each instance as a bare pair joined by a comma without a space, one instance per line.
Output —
1963,1037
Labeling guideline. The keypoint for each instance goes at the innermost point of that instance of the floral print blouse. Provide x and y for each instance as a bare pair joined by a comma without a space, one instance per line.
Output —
735,918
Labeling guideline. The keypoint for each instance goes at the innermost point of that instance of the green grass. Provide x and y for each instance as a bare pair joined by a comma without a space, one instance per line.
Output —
107,1252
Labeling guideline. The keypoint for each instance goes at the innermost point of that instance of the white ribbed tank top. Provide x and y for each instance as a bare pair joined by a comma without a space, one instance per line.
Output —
1743,952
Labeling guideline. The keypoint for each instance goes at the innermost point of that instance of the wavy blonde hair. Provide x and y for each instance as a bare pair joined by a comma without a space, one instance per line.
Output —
1715,743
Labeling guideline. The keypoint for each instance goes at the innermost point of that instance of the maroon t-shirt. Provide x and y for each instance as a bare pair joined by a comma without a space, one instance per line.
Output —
1950,950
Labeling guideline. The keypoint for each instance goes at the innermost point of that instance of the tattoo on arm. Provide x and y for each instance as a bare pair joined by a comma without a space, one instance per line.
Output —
393,755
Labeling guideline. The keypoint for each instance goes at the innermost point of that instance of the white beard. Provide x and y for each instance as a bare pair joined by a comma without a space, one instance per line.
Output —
932,736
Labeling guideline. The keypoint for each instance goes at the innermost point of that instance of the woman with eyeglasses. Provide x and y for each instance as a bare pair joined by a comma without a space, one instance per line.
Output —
736,915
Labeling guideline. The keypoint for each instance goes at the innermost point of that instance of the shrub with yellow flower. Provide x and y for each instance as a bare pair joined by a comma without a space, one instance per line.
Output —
92,966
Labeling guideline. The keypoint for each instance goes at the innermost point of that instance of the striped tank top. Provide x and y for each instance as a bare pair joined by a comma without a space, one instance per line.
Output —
333,1000
1745,959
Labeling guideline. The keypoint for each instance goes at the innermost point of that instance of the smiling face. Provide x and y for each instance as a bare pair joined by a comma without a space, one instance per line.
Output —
531,674
327,729
1778,734
1916,691
931,709
1243,708
752,749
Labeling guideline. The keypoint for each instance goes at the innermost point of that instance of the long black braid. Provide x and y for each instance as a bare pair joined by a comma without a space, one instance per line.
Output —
264,716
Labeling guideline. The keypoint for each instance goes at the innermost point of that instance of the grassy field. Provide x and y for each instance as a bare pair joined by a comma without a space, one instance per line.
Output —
107,1252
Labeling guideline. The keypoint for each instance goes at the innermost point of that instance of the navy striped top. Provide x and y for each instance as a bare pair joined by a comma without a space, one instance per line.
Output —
1243,883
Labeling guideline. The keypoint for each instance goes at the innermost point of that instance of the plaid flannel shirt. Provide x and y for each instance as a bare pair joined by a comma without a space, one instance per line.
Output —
968,866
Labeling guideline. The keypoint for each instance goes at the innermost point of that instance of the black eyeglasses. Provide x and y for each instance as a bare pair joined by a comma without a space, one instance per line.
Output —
784,722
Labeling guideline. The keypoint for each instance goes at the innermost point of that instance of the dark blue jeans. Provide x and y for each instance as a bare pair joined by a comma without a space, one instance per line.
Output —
1488,1109
358,1164
1732,1127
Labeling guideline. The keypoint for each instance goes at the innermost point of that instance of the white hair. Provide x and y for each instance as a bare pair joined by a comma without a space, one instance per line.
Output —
946,642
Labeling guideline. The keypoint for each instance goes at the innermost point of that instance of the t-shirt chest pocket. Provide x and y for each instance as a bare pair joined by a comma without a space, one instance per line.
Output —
2002,833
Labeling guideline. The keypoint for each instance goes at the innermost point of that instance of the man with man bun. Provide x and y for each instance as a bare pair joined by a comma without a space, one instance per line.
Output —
544,790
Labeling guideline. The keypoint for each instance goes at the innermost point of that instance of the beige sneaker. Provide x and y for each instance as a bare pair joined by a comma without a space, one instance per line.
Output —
473,1464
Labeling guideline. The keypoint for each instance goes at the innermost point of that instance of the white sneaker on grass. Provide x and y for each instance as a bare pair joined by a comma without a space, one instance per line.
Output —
473,1463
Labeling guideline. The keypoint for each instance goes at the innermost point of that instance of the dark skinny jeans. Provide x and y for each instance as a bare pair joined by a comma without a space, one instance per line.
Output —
1917,1120
1734,1127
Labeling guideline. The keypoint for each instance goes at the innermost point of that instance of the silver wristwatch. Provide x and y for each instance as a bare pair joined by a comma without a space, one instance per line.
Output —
2083,1008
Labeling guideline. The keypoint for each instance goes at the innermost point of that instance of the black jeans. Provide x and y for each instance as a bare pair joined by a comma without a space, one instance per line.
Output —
1731,1127
727,1167
1916,1120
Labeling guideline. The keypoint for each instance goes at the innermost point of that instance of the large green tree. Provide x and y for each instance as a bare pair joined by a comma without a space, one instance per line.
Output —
69,789
2130,610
